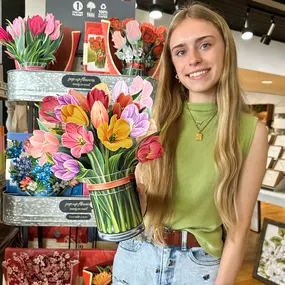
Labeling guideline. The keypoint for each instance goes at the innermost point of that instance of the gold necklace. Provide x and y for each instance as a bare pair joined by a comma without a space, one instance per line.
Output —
199,134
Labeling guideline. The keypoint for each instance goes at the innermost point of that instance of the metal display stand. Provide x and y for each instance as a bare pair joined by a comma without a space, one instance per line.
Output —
74,211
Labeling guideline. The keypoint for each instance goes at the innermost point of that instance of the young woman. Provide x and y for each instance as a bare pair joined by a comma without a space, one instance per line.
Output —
214,162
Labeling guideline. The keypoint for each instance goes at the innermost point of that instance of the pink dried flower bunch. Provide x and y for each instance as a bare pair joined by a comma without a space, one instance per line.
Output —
42,269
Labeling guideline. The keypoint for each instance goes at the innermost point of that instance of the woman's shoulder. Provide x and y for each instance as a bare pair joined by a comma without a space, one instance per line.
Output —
248,125
247,118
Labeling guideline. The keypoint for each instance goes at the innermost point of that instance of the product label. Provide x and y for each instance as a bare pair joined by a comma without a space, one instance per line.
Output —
75,206
80,81
78,217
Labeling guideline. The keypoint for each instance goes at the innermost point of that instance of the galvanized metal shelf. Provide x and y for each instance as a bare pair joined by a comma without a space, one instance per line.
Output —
32,86
74,211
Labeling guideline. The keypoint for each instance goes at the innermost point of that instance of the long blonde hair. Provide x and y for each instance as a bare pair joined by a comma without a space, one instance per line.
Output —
158,176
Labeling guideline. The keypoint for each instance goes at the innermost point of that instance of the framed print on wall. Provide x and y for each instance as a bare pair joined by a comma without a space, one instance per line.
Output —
270,266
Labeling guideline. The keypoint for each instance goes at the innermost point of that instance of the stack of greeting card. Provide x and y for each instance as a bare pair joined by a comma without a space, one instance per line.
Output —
275,167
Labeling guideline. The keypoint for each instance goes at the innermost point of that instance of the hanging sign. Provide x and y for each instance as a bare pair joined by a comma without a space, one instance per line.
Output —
74,13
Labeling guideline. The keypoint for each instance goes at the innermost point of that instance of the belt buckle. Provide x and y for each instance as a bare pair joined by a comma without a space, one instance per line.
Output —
184,240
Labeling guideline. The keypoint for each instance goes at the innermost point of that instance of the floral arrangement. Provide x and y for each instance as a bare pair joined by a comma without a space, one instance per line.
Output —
99,143
42,269
32,42
139,46
31,177
97,45
104,277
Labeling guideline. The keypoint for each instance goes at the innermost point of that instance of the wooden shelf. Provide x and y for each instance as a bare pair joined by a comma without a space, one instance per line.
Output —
3,94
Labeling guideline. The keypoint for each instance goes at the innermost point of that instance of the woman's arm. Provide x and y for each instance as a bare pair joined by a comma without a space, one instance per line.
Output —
251,177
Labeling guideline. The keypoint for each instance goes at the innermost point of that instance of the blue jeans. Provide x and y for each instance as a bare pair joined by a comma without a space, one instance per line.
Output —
140,262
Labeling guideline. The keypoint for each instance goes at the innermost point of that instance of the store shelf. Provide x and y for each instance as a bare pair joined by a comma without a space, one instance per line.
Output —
275,198
32,86
7,236
3,95
74,211
3,91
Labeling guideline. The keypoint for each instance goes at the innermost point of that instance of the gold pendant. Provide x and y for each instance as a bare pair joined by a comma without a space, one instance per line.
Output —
199,136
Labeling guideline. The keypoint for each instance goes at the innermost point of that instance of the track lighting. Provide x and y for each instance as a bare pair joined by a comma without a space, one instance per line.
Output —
155,10
246,33
176,5
266,39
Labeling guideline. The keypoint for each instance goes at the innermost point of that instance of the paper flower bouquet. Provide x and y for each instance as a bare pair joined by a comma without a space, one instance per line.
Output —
101,144
139,46
33,42
32,178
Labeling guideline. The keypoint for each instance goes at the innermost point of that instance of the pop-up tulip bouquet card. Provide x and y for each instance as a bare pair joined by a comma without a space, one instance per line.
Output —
100,143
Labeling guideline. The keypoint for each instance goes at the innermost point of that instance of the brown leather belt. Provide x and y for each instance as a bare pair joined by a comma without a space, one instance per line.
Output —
174,238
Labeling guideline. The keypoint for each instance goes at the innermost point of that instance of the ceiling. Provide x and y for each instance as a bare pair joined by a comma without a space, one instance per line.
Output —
234,12
251,82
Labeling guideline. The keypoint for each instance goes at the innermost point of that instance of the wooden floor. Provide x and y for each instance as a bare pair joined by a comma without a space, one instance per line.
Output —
245,276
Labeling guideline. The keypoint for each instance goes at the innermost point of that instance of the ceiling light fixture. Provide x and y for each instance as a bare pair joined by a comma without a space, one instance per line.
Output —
266,82
155,10
266,39
246,33
176,5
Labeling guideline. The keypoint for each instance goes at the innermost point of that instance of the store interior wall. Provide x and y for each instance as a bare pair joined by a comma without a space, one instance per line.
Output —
251,54
264,98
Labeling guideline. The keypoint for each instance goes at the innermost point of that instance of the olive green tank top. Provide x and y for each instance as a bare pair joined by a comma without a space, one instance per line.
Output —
196,177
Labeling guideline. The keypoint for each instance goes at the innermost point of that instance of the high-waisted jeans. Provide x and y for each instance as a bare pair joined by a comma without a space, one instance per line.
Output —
140,262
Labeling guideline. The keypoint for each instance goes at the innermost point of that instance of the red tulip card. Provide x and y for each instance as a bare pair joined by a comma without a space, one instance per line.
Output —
94,52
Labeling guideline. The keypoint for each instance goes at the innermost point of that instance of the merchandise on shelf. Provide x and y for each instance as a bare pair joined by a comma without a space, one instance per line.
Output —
94,52
66,52
25,176
90,258
100,143
98,274
32,42
41,266
61,237
131,48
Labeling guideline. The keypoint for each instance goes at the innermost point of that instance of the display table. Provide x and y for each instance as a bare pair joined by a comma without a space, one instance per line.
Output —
267,196
275,198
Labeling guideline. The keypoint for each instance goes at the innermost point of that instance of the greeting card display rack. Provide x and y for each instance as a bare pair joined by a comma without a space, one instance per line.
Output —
275,167
74,211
